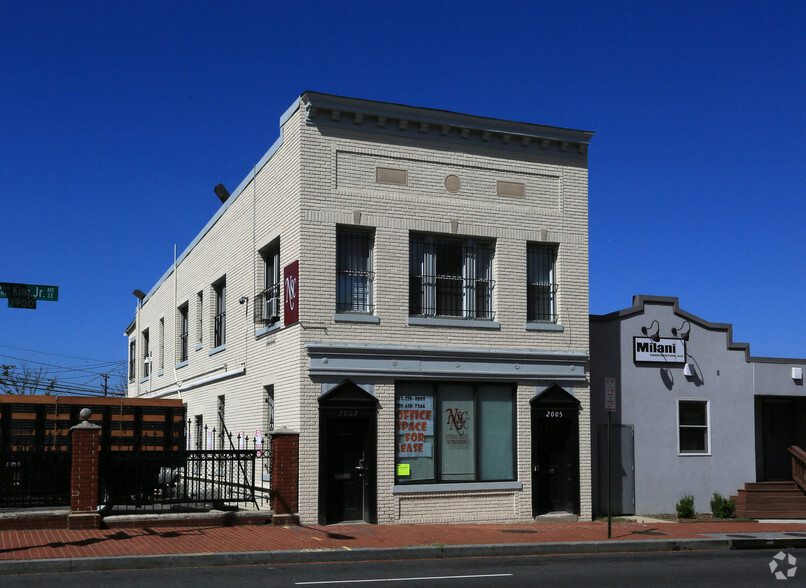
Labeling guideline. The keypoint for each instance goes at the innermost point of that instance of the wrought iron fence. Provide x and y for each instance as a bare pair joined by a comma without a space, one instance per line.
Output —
227,470
34,476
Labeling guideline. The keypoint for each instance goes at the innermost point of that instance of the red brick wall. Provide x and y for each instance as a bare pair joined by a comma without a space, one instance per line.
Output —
285,474
84,479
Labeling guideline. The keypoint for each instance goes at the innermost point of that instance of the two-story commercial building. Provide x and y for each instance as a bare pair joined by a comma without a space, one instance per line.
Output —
407,290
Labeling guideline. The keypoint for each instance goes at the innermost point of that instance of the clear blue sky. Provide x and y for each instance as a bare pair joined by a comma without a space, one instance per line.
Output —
118,118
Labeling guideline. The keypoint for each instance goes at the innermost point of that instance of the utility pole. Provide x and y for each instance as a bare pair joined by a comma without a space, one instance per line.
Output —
106,380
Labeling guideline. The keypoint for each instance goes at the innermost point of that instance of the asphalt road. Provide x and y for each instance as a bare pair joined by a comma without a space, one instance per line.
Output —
706,568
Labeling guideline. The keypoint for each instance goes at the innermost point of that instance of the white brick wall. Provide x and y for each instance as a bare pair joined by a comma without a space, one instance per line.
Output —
315,181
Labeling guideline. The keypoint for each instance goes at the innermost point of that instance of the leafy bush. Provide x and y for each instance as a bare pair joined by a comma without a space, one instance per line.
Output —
721,507
685,507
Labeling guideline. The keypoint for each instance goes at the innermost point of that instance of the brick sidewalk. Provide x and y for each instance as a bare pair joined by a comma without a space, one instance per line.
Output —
62,543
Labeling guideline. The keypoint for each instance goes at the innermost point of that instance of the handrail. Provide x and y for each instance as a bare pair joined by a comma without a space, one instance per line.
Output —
798,466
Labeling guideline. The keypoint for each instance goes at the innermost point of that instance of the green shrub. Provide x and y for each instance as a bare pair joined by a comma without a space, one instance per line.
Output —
685,507
721,507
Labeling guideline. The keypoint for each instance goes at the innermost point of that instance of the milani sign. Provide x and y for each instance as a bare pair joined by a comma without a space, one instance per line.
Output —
665,350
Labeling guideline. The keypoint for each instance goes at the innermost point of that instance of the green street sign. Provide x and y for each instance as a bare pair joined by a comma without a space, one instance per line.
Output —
34,291
26,295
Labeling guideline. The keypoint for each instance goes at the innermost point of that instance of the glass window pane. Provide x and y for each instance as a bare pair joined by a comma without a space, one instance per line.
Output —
415,432
694,439
457,441
693,413
496,452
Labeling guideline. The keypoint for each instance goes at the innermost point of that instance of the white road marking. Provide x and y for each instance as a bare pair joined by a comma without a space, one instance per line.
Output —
402,579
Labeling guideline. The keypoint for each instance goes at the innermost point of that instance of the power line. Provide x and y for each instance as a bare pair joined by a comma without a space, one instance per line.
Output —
57,354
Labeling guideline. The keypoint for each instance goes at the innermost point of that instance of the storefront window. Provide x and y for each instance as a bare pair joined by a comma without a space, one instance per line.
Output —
454,432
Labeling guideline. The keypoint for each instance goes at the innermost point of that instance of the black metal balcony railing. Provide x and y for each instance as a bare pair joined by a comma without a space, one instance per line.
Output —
354,291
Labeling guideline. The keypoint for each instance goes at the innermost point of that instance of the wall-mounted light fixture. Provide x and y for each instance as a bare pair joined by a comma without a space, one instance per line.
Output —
680,334
654,336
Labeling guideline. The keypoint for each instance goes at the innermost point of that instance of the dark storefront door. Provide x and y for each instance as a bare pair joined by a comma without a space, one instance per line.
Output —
347,456
555,453
778,434
348,469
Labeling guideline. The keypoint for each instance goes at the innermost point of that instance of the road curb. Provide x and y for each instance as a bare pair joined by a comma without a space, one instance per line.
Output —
125,562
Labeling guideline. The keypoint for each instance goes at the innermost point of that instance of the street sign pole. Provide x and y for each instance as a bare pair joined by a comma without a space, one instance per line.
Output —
610,407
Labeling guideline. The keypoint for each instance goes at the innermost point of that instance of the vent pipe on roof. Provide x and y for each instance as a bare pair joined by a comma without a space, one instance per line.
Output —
221,192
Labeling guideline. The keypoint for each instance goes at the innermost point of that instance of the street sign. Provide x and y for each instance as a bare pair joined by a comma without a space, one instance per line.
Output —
26,295
610,394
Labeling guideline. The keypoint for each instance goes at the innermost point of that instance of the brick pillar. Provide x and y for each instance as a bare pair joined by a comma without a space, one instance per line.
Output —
85,439
285,477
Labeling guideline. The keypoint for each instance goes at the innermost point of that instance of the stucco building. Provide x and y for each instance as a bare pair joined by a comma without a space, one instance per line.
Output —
407,290
695,413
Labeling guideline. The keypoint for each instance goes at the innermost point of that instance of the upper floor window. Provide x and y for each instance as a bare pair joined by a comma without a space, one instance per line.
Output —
541,301
161,349
267,308
132,359
200,318
451,277
220,316
146,354
354,275
182,340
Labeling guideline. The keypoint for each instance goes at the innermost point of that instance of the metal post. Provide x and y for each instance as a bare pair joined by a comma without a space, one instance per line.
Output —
609,487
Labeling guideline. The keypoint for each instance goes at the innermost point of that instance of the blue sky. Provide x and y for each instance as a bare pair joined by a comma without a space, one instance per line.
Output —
118,119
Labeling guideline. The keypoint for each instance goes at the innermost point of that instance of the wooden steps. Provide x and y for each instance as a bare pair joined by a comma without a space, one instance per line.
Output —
770,500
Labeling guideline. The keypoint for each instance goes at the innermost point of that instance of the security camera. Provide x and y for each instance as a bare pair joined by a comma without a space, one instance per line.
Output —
242,299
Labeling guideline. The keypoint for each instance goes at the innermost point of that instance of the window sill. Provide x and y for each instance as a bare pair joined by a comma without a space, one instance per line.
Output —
181,364
199,347
544,327
266,330
457,322
693,454
457,487
144,380
218,349
349,317
160,373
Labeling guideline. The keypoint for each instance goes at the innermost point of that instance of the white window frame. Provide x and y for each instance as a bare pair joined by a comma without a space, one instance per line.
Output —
707,426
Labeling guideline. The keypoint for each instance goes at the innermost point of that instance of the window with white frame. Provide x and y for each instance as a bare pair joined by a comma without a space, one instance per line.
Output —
200,318
354,275
454,432
146,354
451,277
182,330
132,359
692,422
541,301
267,310
220,313
161,349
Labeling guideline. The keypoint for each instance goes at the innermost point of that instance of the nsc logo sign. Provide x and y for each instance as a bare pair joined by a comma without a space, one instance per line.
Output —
783,566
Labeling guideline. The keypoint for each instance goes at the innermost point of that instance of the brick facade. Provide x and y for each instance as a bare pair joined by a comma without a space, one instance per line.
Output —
508,183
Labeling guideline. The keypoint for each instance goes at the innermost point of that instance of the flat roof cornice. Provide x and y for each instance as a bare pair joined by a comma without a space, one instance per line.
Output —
386,117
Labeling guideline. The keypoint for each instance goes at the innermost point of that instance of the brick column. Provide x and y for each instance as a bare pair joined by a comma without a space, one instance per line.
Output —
85,439
285,477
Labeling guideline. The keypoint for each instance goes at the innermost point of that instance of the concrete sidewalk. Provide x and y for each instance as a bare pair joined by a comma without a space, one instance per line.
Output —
60,550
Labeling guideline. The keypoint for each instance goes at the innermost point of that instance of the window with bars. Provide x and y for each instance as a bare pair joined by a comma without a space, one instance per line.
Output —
182,341
541,303
451,277
220,317
161,350
268,304
354,275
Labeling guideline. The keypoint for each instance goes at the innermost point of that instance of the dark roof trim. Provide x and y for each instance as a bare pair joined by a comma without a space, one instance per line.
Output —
386,117
640,300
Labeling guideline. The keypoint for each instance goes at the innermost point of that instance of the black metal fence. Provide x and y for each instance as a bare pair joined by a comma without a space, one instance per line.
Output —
34,476
226,471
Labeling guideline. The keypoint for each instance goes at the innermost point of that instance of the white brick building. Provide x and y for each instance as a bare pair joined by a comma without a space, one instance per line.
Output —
414,303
